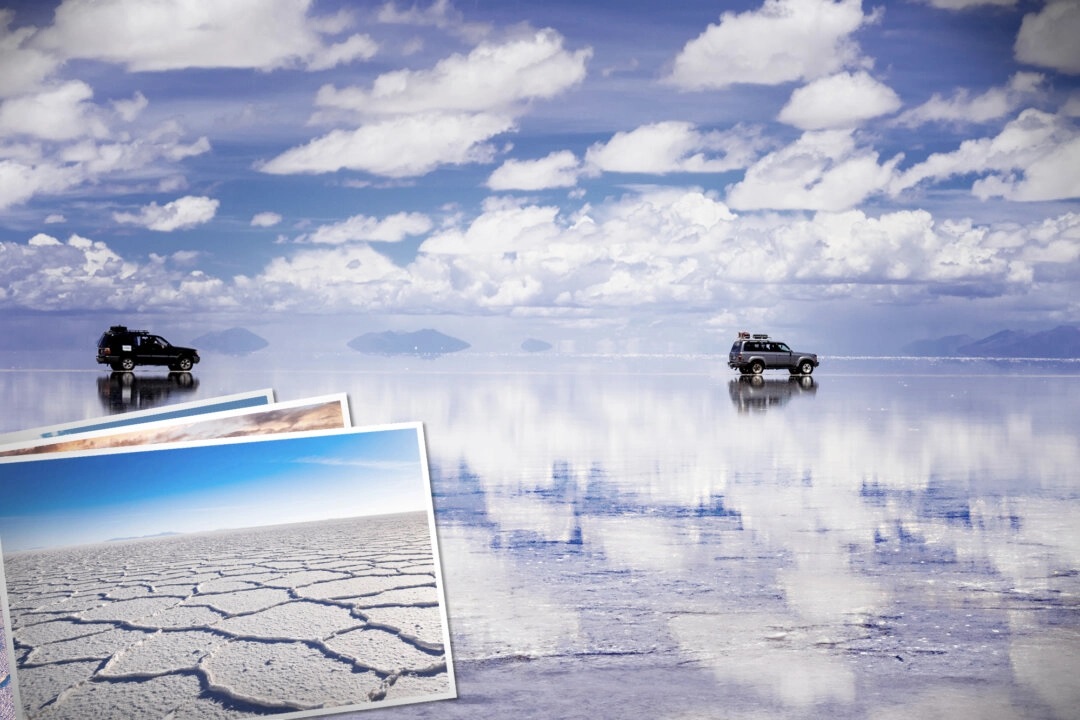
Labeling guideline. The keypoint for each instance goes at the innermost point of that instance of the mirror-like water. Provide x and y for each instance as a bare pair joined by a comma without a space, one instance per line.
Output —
662,539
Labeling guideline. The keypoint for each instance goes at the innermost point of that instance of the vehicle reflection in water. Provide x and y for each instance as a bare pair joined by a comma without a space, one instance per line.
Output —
753,393
125,391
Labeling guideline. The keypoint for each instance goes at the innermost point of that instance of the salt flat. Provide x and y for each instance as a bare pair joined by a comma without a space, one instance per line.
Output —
298,618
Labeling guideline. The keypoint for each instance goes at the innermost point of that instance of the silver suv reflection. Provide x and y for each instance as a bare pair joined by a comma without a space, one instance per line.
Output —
754,354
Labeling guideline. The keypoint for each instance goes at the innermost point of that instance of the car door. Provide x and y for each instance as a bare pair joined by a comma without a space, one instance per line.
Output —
782,357
153,350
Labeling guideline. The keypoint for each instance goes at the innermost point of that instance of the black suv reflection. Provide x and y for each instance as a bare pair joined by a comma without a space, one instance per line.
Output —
123,349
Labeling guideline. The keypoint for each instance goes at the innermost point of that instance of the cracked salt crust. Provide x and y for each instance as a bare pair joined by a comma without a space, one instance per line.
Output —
267,620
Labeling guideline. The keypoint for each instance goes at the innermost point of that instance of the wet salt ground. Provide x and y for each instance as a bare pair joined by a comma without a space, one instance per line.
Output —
230,624
884,542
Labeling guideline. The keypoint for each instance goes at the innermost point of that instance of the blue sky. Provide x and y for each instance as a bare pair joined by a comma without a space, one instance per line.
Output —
629,171
94,497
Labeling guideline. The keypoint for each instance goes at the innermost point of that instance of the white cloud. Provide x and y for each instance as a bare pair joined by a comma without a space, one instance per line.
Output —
60,112
356,47
493,77
674,146
558,170
397,147
393,228
783,41
180,214
265,219
440,14
1033,158
843,100
55,219
1048,38
25,67
965,4
174,35
822,170
130,109
961,107
27,170
679,250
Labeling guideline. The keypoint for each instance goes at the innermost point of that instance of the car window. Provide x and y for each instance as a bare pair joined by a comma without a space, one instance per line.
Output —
781,347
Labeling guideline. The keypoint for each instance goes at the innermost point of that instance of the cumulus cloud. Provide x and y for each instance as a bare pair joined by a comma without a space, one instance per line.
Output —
265,219
675,146
393,228
783,41
27,171
493,77
25,66
169,35
413,121
130,109
558,170
843,100
822,170
662,249
1033,158
962,107
398,147
60,112
1048,38
180,214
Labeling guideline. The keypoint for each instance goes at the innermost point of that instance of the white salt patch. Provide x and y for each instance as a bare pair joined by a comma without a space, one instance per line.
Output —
272,672
358,586
296,620
419,624
130,610
242,601
99,646
384,651
163,653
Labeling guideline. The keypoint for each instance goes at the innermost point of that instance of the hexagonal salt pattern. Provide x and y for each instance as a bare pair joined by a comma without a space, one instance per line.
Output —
228,625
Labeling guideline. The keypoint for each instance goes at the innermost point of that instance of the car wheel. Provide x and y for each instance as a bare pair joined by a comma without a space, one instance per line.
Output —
127,364
757,367
806,367
184,364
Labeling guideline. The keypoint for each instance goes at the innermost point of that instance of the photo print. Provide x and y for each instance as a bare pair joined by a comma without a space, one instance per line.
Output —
290,575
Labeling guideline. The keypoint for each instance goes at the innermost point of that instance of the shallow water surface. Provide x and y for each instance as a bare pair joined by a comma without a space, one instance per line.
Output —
664,539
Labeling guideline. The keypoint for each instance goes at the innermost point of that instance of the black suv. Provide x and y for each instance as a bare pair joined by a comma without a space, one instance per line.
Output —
753,354
123,349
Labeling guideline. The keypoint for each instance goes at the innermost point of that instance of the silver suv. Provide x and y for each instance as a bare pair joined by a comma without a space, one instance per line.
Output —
753,354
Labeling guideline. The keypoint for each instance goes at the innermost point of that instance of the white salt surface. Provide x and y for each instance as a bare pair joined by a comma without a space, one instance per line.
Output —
229,625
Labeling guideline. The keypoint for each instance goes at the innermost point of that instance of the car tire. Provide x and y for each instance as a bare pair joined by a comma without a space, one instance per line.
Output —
127,364
806,367
184,364
757,367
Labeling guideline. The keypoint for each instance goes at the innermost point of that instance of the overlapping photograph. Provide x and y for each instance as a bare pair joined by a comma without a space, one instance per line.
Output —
223,403
291,575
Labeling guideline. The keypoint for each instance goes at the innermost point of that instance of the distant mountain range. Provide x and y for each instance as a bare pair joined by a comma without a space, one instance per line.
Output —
533,345
1060,343
425,342
234,341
